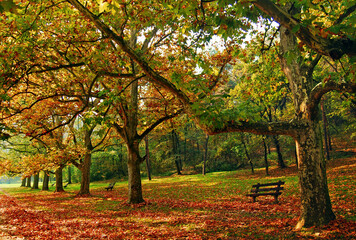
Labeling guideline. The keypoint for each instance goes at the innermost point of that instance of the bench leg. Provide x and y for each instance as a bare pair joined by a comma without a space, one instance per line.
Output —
254,199
276,198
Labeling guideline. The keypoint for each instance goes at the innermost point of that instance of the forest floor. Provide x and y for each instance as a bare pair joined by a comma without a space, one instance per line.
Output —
181,207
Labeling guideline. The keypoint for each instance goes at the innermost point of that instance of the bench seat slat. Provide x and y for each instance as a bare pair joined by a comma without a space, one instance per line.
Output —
268,184
263,194
267,189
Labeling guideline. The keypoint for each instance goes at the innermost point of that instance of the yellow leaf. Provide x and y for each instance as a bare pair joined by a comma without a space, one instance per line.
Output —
103,6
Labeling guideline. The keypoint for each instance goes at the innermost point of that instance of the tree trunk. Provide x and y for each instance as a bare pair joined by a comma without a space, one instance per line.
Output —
247,154
316,204
69,174
296,157
28,183
132,140
59,179
266,153
45,186
175,151
281,163
325,125
86,164
85,175
205,153
148,165
23,182
133,166
36,179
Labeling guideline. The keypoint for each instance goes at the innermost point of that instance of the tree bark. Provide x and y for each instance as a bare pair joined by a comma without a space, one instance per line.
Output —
59,179
205,153
281,163
148,165
69,174
28,182
247,154
316,204
45,186
85,175
133,166
23,182
175,151
85,165
36,179
266,153
296,157
325,127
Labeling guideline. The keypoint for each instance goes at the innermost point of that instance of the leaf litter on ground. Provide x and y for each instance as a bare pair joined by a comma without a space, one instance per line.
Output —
185,207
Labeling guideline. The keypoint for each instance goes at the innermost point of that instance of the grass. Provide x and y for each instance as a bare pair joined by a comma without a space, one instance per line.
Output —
213,206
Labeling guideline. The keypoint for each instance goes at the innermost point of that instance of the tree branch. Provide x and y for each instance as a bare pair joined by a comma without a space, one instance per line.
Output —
102,139
313,65
322,88
345,14
335,48
65,66
119,40
260,128
159,121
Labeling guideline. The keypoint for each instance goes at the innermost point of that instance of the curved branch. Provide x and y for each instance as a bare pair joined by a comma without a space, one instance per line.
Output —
322,88
259,128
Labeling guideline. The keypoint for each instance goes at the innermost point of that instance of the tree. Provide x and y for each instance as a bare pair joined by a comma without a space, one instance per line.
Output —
303,128
28,182
90,137
127,127
189,29
36,179
45,184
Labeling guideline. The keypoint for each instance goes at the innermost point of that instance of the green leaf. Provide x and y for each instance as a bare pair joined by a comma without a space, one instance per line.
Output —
295,28
7,6
335,29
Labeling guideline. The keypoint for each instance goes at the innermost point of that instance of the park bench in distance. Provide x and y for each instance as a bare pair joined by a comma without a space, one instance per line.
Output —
66,185
273,189
111,186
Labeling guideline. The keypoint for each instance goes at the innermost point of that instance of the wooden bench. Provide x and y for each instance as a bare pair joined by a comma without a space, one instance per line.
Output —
273,189
111,186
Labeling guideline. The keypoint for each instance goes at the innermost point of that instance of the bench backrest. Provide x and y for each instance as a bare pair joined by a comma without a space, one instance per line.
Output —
262,187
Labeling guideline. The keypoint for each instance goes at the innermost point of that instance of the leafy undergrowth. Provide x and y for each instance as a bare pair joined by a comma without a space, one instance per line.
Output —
180,207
